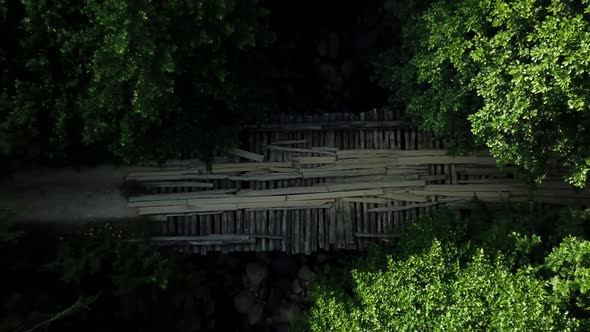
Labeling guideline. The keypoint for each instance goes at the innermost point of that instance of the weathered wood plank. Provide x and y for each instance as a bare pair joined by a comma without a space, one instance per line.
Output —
402,208
247,154
298,150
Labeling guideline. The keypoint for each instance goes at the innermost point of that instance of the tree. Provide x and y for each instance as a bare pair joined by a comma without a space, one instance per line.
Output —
510,75
139,80
434,291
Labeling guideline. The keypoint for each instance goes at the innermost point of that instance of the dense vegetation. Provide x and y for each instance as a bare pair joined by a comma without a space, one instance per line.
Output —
92,279
135,80
487,271
510,75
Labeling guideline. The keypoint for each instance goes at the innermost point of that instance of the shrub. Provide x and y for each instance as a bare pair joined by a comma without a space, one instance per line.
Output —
435,291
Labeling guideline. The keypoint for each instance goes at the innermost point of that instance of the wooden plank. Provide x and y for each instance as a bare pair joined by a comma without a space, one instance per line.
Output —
313,160
285,230
290,205
475,187
331,220
375,235
314,229
340,225
335,194
298,150
291,142
433,177
348,226
310,126
480,194
406,197
322,229
296,236
283,191
235,199
183,196
267,177
179,177
179,184
306,234
209,240
325,148
371,200
373,185
446,160
247,154
402,208
158,203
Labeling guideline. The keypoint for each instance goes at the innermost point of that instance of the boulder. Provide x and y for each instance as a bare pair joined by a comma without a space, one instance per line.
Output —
306,274
255,314
243,301
288,312
256,274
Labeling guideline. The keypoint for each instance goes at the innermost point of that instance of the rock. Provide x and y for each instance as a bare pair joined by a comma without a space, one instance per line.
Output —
288,312
347,68
322,48
328,73
321,259
210,307
244,301
333,45
273,302
255,314
306,274
296,287
256,274
284,265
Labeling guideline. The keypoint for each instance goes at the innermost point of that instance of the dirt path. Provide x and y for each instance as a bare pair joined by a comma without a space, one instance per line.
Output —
67,195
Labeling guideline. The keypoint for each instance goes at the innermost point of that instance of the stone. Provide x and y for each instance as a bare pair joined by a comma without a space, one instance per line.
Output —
347,69
321,259
306,274
322,48
256,274
296,287
288,312
284,265
210,307
333,45
243,301
255,314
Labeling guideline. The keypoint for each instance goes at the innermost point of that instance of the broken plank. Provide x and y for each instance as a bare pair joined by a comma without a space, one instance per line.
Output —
247,154
297,150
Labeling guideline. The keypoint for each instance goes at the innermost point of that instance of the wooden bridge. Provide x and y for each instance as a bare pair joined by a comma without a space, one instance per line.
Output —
332,181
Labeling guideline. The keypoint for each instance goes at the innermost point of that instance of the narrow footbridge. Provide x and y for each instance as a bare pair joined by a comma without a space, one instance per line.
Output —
331,181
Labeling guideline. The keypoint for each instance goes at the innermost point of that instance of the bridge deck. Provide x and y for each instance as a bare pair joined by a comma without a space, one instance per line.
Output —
334,181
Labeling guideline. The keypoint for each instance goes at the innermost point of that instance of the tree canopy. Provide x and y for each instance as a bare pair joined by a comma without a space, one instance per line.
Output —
509,75
139,80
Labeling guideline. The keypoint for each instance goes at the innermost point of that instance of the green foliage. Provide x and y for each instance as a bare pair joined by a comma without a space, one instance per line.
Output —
512,75
140,276
142,80
433,291
486,270
570,264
